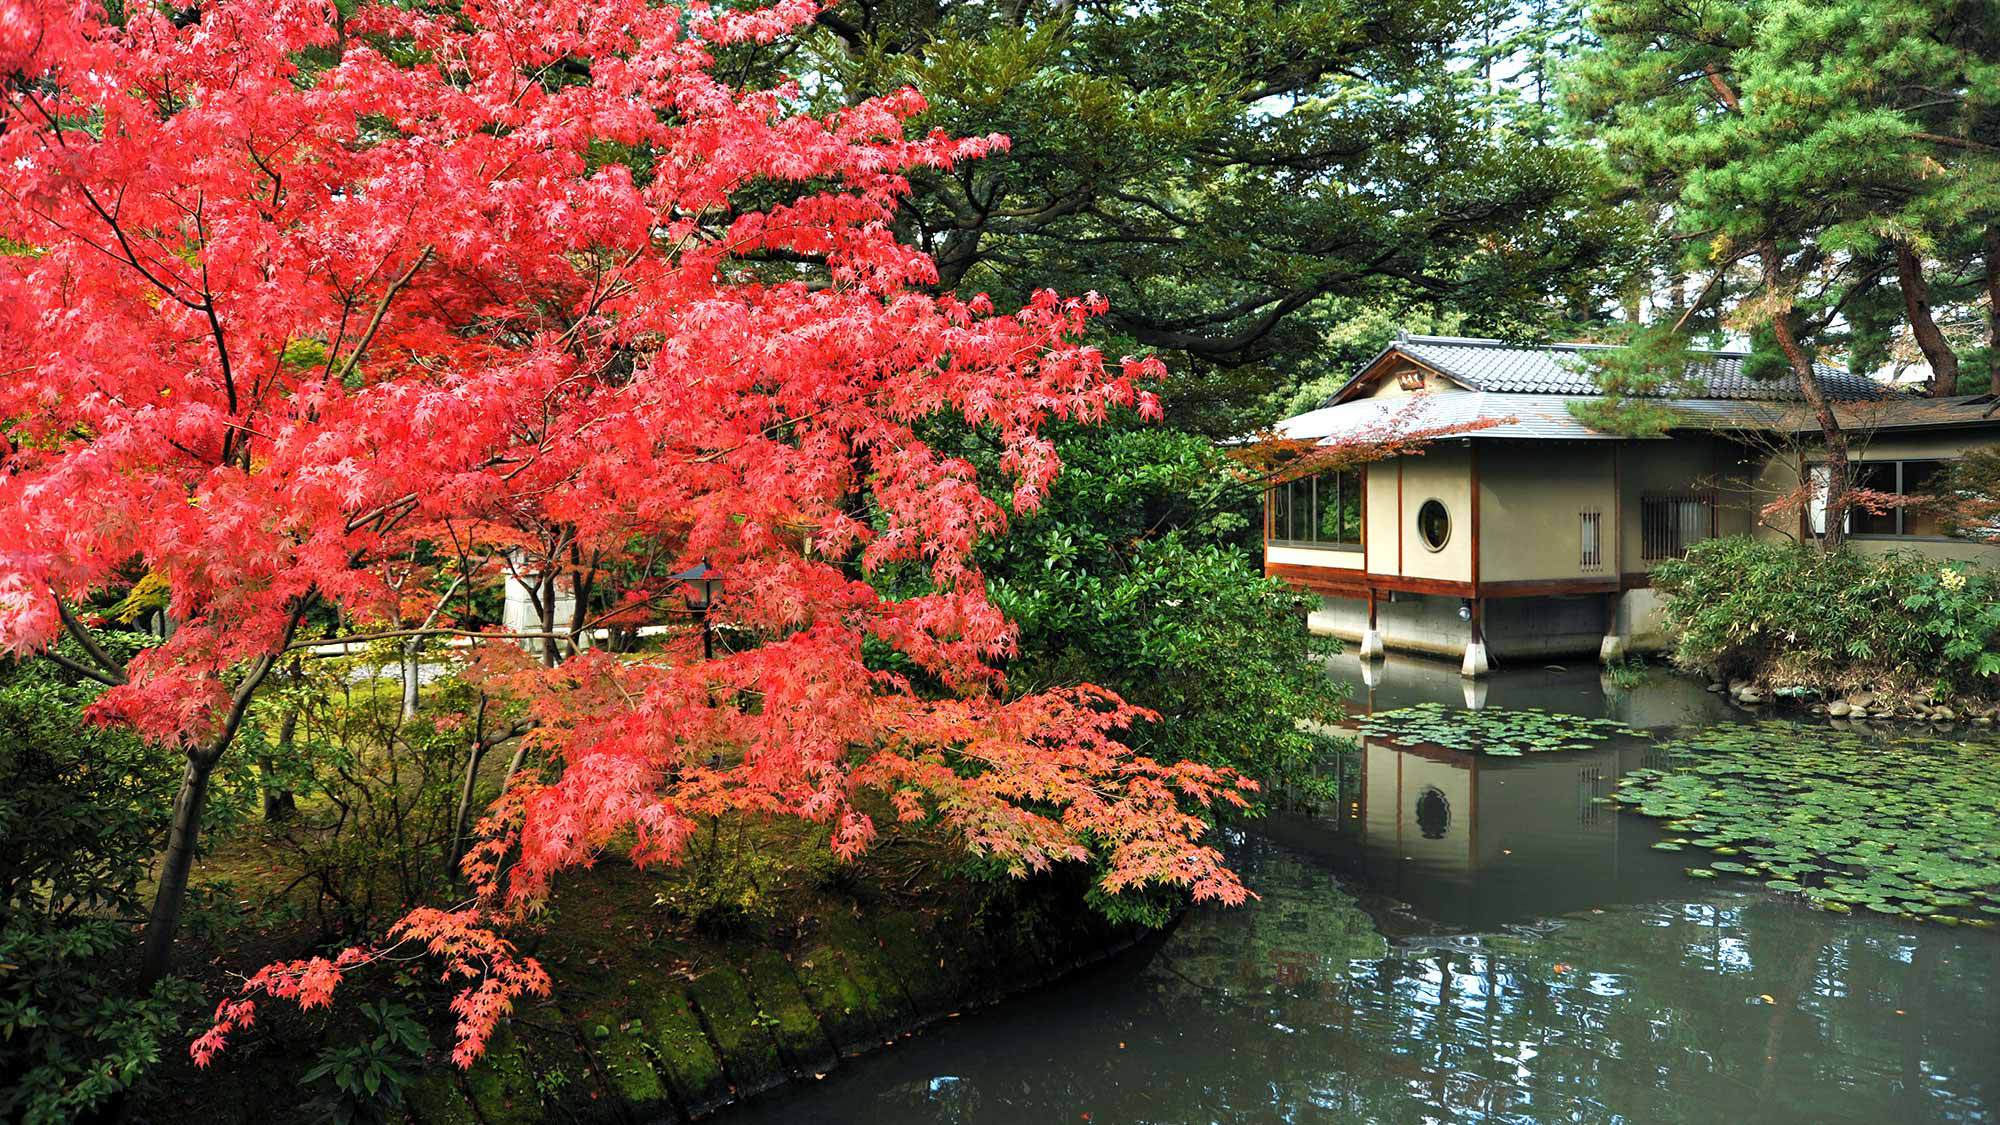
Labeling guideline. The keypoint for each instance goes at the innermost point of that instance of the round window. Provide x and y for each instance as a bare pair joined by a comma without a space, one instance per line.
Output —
1433,813
1434,524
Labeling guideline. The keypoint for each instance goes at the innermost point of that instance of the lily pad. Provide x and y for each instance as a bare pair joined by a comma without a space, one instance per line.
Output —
1907,825
1495,731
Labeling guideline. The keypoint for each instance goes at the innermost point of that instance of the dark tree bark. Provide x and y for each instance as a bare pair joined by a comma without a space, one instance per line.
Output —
164,921
157,946
279,802
1829,424
1917,302
1993,307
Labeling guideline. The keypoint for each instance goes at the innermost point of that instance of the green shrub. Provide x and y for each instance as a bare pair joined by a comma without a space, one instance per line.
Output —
1139,573
82,809
370,1073
1797,617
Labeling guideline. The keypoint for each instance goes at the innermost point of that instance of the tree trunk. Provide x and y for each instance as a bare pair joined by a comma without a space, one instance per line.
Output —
547,608
412,675
1917,303
1993,307
463,812
1836,440
280,803
158,945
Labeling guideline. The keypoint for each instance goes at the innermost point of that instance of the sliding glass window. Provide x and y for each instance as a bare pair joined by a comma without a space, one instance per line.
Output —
1318,511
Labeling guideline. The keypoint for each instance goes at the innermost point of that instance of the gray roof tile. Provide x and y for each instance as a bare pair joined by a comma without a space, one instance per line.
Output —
1561,369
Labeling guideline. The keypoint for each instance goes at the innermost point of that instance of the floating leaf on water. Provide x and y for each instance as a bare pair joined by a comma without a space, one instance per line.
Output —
1500,732
1666,846
1907,826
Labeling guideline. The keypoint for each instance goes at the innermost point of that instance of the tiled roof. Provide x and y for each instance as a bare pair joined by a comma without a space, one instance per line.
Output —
1548,418
1562,369
1543,417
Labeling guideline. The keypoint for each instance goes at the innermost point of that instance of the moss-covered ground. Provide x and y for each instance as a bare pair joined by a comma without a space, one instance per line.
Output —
760,961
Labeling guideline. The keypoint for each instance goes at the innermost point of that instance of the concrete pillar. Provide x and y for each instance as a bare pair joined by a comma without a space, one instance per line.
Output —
1371,644
1475,665
1371,637
1617,642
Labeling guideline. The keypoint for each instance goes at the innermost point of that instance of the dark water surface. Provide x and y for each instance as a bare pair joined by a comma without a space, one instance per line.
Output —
1464,939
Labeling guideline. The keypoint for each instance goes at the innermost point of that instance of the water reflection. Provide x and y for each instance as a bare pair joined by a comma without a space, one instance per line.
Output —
1459,939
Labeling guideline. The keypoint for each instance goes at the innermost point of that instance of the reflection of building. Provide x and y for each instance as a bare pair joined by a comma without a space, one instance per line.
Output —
1478,840
1525,529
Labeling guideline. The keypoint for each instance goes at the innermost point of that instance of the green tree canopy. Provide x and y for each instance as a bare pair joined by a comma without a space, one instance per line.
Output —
1234,175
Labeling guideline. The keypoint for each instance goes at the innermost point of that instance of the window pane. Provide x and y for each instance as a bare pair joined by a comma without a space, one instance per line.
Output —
1920,481
1301,511
1350,507
1332,494
1433,524
1876,476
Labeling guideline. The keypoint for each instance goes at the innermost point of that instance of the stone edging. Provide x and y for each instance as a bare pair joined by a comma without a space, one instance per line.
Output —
685,1049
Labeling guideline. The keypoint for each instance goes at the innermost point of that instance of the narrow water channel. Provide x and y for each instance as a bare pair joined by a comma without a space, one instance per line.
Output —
1470,939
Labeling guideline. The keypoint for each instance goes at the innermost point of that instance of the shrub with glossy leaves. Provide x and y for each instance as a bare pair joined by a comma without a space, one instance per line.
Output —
81,811
1797,617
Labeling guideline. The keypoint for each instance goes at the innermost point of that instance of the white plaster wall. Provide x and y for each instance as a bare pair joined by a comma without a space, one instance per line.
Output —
1311,556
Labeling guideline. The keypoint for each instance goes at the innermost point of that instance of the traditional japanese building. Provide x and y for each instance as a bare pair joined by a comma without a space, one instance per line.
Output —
1525,534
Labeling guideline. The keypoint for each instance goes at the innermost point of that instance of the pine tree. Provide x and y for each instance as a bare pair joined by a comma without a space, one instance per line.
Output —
1808,158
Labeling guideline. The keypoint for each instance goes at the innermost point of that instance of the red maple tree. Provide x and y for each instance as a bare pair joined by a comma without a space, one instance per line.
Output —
291,293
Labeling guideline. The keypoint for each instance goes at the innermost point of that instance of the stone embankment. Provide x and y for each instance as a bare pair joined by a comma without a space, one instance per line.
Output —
1860,705
667,1048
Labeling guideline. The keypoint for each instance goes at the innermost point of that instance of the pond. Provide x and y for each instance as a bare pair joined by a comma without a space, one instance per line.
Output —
1465,937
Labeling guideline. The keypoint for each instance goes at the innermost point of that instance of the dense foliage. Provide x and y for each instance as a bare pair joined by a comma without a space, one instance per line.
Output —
1239,178
1139,573
81,811
1798,618
1853,146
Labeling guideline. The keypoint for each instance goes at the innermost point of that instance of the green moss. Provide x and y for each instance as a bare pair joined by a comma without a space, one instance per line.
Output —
919,964
801,1039
838,1000
740,1029
437,1099
682,1051
869,966
501,1085
623,1059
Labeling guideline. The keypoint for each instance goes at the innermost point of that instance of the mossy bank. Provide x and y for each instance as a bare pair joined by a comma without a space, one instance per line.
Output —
676,995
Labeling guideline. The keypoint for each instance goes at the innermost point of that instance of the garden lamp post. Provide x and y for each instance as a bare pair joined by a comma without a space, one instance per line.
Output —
700,585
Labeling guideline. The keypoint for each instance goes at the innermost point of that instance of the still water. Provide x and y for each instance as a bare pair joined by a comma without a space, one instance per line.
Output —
1463,939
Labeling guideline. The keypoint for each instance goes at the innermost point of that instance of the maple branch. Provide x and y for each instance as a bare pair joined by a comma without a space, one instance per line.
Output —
394,634
89,643
381,311
58,658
